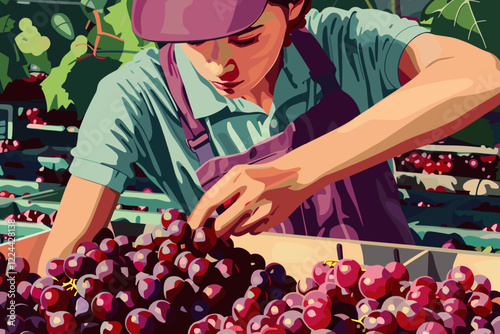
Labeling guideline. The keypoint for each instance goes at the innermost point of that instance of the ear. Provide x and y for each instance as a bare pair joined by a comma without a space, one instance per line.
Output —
294,9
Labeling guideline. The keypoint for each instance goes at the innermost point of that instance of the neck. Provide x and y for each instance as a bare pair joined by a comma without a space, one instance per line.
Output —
262,94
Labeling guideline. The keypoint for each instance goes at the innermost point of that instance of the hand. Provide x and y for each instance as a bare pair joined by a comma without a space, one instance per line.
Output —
262,196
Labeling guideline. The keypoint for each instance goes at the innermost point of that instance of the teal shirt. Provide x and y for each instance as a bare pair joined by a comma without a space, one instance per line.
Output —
132,117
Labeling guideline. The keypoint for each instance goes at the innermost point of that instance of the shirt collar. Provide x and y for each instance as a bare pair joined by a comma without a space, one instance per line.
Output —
206,101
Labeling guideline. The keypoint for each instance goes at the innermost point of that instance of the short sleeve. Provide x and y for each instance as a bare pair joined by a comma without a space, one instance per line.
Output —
107,147
371,41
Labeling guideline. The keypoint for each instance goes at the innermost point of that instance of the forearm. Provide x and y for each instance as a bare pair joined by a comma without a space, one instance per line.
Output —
444,98
85,208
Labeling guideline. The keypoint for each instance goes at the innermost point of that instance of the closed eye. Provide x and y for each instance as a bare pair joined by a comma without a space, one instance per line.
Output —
244,42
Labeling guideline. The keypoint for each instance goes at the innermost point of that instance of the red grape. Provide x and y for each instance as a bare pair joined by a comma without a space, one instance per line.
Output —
198,269
451,321
104,306
381,321
463,275
328,288
425,281
276,329
168,251
140,321
347,273
55,298
450,289
204,239
260,278
292,321
455,306
85,247
258,323
213,294
76,265
431,327
145,241
421,294
398,271
97,255
410,315
111,327
88,286
162,269
365,306
315,296
129,297
319,272
245,309
316,316
149,287
481,284
171,215
375,282
40,285
481,304
61,322
172,287
275,308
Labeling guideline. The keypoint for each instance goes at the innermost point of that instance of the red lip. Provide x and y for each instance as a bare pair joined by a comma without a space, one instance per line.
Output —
226,85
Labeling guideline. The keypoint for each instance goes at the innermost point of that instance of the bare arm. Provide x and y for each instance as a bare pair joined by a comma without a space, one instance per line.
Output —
86,207
450,84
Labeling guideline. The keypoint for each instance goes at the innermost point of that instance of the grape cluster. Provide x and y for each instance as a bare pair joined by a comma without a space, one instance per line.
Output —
341,297
34,116
166,279
471,165
7,145
33,216
6,194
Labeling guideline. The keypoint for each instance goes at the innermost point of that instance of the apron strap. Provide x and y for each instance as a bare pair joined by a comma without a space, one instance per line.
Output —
321,68
197,136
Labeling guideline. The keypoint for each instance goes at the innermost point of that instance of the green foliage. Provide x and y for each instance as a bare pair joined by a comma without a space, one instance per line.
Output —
6,23
62,24
55,95
475,22
82,80
30,40
344,4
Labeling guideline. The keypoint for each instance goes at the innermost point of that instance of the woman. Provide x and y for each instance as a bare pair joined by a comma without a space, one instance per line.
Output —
243,80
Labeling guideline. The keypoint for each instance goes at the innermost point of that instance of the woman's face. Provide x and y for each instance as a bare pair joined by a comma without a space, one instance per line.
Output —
235,65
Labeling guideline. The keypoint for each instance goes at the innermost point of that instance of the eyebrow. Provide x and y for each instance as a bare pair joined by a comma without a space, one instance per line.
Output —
247,30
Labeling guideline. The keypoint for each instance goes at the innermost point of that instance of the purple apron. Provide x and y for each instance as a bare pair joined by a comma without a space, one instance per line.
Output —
364,206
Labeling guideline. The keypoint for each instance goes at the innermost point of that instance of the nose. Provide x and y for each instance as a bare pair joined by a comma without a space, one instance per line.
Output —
220,61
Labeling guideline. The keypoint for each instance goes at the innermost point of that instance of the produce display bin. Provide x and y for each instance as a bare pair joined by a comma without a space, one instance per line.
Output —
154,201
439,223
23,229
298,254
21,187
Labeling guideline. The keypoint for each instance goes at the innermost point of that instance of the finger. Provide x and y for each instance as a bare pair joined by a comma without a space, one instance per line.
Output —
260,214
235,214
210,201
268,222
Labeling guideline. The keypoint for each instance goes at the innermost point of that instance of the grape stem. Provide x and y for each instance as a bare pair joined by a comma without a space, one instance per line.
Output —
71,285
360,321
330,262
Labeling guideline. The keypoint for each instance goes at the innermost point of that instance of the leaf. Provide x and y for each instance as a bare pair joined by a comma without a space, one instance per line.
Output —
6,23
62,24
473,21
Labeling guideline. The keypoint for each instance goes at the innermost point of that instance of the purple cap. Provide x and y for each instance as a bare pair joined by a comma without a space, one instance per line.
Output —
193,20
